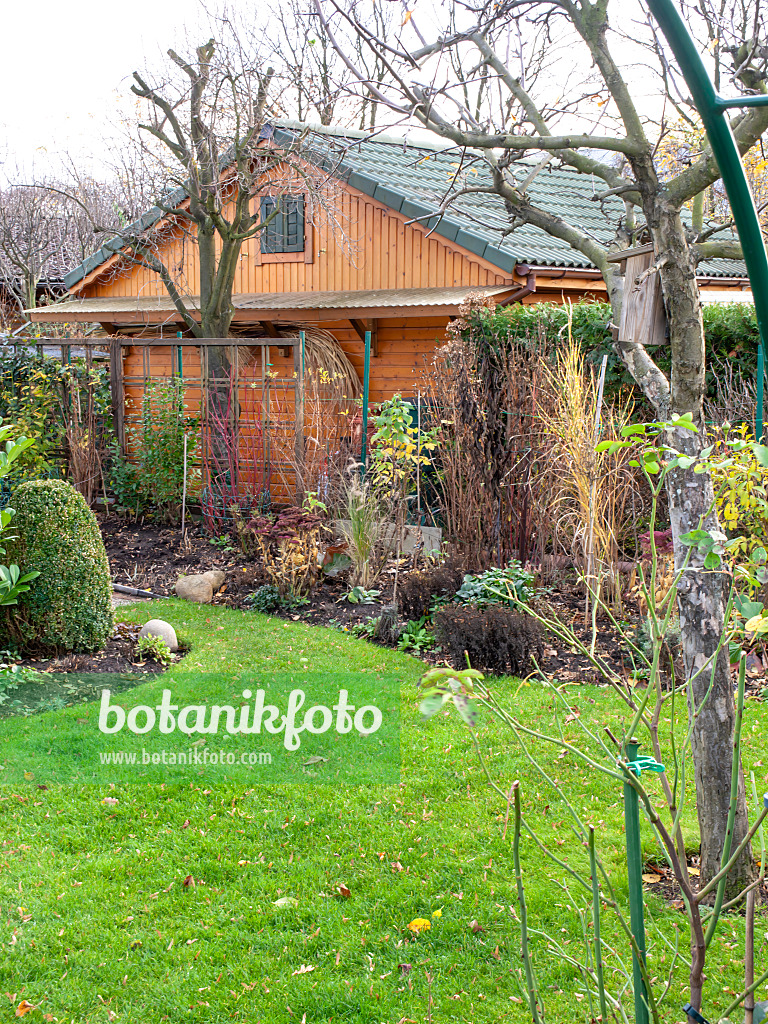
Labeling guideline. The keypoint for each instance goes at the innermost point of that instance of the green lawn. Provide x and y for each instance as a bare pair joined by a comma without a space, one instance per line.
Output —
98,924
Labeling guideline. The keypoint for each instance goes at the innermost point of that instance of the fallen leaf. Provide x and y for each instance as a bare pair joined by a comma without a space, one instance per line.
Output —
23,1008
405,968
476,927
188,881
651,879
110,801
286,901
418,925
344,891
304,969
314,760
693,871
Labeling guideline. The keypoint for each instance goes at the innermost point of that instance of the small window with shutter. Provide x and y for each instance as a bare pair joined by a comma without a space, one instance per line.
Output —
285,232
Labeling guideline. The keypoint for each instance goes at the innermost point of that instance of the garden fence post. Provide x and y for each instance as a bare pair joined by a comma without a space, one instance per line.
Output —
298,367
713,109
635,879
366,386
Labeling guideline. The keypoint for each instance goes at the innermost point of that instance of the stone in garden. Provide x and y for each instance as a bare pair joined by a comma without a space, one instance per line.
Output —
216,578
163,629
195,588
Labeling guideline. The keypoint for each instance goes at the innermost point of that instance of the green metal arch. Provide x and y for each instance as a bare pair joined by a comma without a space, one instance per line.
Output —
713,109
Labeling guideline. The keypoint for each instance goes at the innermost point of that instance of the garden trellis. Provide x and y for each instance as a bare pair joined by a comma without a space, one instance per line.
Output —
272,423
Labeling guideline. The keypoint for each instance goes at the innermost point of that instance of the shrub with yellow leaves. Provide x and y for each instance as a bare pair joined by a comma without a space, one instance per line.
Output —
741,488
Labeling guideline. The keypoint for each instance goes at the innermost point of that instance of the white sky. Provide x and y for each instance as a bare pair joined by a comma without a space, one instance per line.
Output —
67,64
66,71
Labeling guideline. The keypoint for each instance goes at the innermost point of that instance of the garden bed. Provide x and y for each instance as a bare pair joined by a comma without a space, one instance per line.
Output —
148,557
53,683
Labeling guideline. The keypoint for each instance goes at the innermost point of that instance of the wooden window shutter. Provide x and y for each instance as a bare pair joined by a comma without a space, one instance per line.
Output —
285,233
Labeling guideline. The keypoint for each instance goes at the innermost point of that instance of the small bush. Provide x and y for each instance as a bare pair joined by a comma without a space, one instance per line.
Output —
498,640
289,545
153,475
70,605
154,648
420,591
266,599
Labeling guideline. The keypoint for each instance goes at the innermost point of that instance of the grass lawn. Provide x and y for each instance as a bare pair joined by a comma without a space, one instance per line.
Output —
98,925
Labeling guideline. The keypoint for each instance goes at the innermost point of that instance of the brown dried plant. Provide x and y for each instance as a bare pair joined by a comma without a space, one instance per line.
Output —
594,496
486,391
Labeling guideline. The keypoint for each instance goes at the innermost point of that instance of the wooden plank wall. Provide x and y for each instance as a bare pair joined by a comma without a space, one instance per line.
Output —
405,347
379,251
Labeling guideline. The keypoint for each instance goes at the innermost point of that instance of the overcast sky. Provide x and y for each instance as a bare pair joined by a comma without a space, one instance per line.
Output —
65,67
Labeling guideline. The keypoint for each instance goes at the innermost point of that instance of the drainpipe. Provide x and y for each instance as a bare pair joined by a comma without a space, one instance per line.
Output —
527,289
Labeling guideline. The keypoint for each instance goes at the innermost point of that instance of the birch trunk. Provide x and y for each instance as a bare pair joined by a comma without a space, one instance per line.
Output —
702,594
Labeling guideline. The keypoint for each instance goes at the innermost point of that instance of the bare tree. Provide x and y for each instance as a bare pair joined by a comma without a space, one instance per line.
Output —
315,83
37,243
523,84
47,227
207,148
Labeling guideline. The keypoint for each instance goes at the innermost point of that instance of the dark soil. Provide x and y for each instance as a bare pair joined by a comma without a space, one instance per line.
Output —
150,557
116,656
660,880
60,681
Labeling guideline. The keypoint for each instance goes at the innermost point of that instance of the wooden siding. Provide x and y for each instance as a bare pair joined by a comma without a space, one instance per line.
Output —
379,251
405,350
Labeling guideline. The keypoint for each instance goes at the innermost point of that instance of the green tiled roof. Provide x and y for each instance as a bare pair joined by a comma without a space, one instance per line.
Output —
412,177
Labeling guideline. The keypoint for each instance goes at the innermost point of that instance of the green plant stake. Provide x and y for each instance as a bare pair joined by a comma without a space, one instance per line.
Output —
366,387
635,873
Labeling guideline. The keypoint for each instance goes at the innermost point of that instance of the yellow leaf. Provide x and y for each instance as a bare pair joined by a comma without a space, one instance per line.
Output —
419,924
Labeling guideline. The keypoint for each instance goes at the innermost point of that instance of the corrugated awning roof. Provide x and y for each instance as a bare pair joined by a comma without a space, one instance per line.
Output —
274,306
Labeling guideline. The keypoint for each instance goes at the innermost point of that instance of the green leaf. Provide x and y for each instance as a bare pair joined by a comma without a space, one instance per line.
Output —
467,709
431,705
694,537
711,560
761,454
748,609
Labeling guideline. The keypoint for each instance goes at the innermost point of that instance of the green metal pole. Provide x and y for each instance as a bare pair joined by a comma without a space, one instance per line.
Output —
713,110
760,389
366,387
635,877
178,356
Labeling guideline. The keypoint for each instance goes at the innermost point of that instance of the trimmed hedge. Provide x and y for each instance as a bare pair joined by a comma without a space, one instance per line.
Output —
730,330
69,606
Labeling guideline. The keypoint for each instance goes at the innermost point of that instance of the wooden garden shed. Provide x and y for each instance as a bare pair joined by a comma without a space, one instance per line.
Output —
384,263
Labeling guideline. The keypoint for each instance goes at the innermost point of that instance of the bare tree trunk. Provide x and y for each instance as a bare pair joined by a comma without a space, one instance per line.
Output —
702,594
